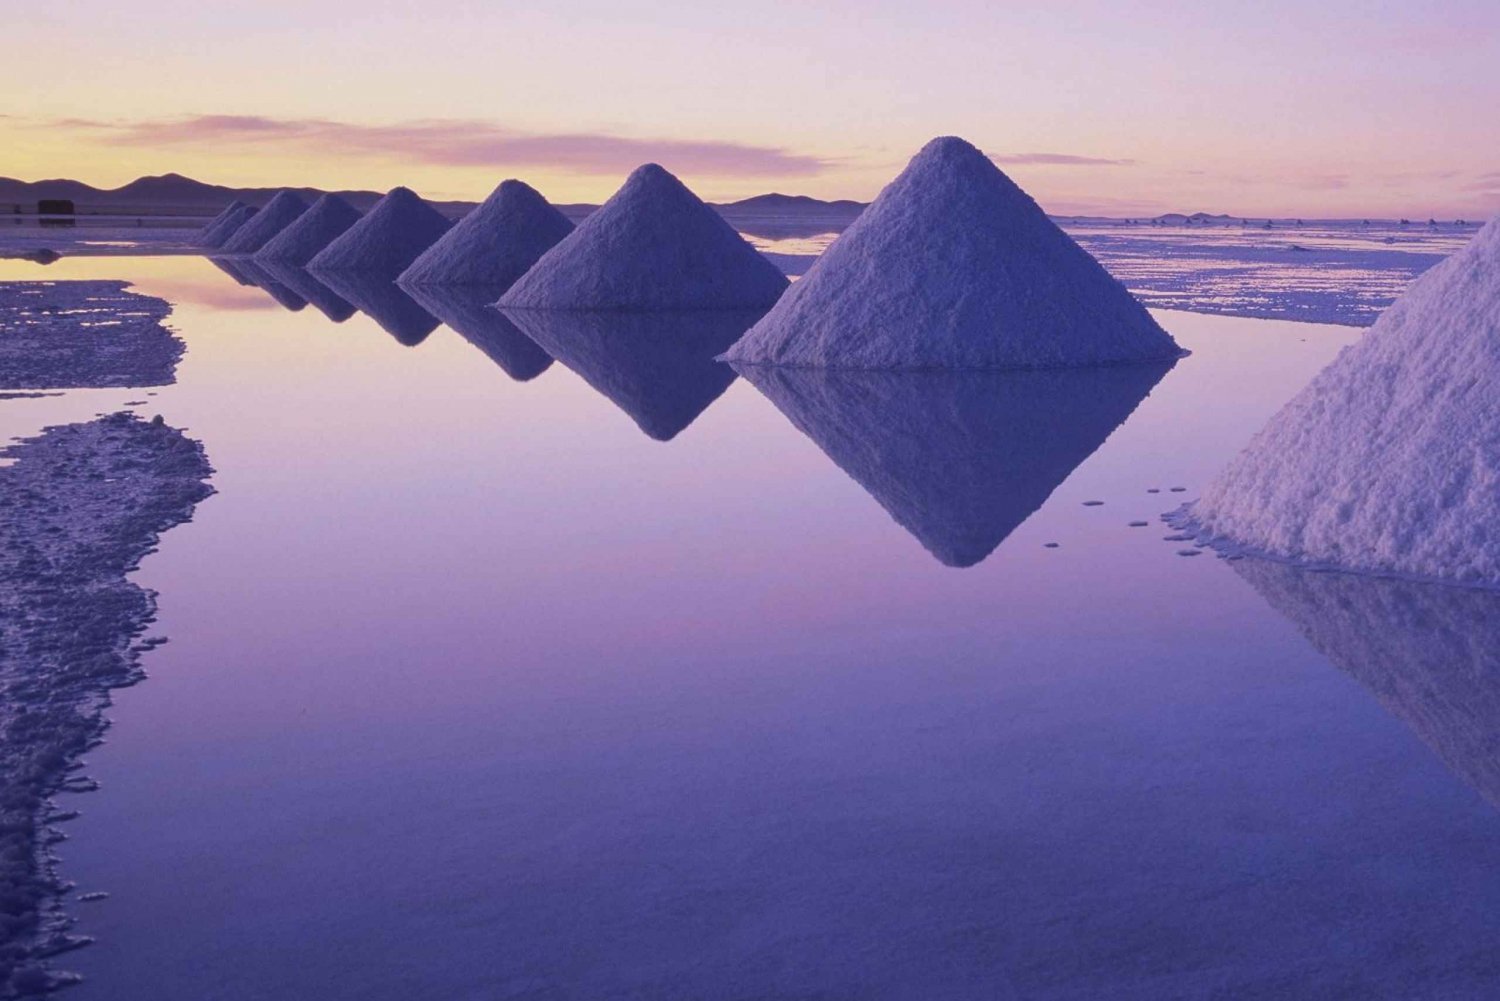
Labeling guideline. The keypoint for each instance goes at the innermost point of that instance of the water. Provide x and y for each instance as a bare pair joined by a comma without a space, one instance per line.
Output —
475,690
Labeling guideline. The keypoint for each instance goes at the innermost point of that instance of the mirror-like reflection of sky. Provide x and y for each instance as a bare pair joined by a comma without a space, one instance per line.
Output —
475,690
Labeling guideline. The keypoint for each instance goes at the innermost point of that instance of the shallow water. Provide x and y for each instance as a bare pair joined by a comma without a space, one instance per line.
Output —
475,690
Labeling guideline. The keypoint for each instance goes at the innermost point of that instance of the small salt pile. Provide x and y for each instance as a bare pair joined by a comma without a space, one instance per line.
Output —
319,226
385,242
653,246
1389,461
223,228
214,224
494,244
954,266
279,213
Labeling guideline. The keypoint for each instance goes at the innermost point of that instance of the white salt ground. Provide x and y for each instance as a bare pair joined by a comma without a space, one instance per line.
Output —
327,220
387,239
954,266
653,246
495,244
279,213
1389,461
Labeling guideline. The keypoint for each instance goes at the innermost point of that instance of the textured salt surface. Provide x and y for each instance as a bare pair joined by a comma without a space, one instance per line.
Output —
467,310
328,219
79,507
279,213
383,301
1429,653
495,244
958,459
217,226
306,286
387,240
653,246
657,367
954,266
1389,461
77,334
230,222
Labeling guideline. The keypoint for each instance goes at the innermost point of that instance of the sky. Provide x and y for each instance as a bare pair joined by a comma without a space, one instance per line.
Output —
1338,108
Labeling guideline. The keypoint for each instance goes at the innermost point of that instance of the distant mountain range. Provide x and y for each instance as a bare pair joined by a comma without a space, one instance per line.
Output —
174,194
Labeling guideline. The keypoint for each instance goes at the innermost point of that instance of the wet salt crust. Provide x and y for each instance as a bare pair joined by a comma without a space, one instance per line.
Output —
79,506
279,213
954,266
83,334
1389,461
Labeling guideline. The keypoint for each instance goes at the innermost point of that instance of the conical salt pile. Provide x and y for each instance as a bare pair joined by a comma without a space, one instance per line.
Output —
494,244
213,226
279,213
385,242
653,246
221,229
1389,461
315,229
954,266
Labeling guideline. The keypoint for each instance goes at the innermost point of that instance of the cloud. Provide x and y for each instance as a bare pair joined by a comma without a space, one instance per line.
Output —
456,143
1059,160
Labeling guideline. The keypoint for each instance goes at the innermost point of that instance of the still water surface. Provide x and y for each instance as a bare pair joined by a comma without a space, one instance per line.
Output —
476,689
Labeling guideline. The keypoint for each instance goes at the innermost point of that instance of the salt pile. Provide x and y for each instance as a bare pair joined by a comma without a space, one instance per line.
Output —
658,367
213,226
653,246
385,242
494,244
958,459
319,226
279,213
225,226
467,311
1389,461
383,301
954,266
1429,653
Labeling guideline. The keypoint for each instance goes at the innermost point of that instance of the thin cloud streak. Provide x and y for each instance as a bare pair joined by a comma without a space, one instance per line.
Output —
1058,160
456,143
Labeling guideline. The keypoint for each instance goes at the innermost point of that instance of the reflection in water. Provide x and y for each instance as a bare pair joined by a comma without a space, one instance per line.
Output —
959,459
303,283
1429,653
382,301
467,310
263,279
657,367
232,269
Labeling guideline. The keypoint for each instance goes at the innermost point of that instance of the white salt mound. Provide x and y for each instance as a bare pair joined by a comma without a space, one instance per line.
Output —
954,266
653,246
279,213
217,221
327,220
1389,461
494,244
385,242
214,235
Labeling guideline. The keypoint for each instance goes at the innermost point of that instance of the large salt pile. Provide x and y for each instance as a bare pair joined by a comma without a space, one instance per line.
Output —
653,246
954,266
494,244
327,220
216,223
468,312
958,459
279,213
659,367
214,235
1390,460
385,242
383,301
